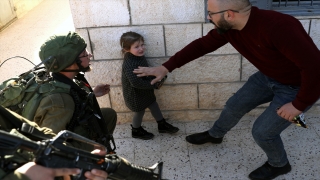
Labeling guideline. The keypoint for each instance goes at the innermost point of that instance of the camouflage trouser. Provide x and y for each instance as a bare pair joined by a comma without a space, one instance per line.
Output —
109,115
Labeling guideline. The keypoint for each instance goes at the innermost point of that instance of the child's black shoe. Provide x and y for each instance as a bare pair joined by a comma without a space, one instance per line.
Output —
140,133
164,127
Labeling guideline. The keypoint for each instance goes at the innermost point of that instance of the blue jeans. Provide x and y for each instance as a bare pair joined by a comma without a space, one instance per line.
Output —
259,89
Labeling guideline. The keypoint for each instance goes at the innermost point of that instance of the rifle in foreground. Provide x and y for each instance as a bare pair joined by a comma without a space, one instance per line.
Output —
54,153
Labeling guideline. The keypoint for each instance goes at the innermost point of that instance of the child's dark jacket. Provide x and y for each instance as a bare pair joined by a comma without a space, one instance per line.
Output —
138,93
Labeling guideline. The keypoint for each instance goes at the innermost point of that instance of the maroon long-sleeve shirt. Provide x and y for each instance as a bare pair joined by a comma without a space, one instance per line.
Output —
275,43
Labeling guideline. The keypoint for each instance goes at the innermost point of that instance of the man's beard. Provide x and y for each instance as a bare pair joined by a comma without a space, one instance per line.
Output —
86,69
222,25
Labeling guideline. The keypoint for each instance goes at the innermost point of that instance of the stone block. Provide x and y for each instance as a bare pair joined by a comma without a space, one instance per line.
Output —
215,95
98,13
105,42
177,97
105,72
178,36
166,11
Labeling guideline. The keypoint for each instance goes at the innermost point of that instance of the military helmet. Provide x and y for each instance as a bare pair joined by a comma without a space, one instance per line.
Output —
64,48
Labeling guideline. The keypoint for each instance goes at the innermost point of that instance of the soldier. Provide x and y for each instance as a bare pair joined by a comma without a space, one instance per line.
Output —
76,110
72,105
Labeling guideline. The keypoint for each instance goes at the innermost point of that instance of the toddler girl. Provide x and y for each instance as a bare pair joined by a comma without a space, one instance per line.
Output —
138,93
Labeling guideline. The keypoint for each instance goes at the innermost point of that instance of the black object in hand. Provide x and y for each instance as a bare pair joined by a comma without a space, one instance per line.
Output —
300,121
159,84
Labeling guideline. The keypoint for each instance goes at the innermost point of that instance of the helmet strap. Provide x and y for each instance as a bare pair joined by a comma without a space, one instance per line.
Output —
81,68
70,70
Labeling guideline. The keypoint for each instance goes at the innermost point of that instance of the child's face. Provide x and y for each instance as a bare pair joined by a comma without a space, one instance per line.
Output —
137,48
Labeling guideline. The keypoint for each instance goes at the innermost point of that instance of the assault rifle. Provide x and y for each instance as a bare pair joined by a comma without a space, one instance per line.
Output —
54,153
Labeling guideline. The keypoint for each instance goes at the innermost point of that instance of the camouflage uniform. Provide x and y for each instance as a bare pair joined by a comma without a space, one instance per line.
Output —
16,176
9,121
55,112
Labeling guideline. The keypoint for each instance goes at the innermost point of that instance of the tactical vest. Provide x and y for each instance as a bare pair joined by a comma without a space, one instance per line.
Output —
23,94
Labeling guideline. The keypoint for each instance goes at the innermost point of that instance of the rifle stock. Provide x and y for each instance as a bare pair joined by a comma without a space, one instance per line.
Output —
54,153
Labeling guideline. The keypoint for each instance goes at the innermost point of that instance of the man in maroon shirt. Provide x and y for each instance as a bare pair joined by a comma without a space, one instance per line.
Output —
288,76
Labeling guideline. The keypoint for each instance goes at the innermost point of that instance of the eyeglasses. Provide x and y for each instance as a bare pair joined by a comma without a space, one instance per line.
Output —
213,13
86,55
243,10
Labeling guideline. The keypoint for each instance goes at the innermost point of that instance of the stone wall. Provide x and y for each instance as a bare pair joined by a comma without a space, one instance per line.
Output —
196,91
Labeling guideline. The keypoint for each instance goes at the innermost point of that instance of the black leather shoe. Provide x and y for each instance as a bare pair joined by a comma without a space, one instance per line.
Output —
267,171
201,138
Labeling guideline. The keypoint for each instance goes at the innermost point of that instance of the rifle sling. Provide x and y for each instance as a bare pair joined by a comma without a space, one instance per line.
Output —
99,126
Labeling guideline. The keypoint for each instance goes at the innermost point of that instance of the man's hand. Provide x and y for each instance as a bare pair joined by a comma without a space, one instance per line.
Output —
288,112
101,89
159,72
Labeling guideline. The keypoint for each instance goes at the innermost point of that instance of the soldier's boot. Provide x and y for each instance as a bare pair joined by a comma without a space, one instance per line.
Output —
141,133
164,127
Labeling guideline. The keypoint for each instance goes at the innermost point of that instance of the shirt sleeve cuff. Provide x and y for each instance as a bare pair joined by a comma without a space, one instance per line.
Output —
298,105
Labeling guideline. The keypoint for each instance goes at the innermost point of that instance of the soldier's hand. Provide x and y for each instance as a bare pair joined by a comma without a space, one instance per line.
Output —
101,89
96,174
37,172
